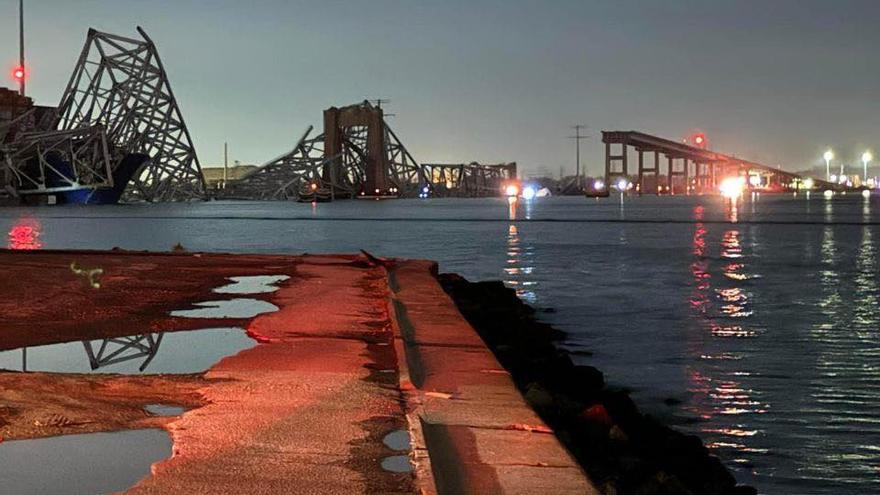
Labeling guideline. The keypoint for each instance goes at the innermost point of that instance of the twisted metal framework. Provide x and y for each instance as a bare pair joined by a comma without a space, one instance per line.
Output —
360,163
471,180
119,83
57,161
282,178
403,170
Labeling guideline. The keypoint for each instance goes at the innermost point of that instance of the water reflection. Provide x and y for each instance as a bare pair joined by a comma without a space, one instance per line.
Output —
844,444
722,305
187,352
25,235
733,211
120,350
519,266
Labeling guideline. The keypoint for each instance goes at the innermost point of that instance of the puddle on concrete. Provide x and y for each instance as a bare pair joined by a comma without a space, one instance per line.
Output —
259,284
164,410
85,464
397,440
232,308
171,352
397,464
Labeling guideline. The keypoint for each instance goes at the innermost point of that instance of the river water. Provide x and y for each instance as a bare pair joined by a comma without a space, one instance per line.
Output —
756,327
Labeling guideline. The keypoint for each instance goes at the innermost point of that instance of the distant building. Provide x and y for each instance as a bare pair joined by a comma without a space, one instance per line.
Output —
214,175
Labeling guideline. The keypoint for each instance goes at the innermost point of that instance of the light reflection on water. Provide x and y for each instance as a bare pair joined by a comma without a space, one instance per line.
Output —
767,334
24,235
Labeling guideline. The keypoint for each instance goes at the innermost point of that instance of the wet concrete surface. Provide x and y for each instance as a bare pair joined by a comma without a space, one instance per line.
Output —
317,407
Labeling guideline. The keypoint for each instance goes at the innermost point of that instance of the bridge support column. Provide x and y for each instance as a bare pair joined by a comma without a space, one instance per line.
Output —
657,171
611,160
687,176
641,184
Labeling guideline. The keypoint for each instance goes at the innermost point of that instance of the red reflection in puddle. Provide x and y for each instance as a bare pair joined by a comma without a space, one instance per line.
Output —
25,235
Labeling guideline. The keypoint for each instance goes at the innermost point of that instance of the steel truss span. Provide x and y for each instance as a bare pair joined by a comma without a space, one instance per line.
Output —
468,180
120,84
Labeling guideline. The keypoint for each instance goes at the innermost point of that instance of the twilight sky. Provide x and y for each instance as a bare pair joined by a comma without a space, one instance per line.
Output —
771,80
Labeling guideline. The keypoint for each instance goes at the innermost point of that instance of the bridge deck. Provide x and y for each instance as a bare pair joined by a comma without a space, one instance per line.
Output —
701,169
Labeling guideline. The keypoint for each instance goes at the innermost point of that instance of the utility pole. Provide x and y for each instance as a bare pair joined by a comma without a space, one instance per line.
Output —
577,140
21,46
225,163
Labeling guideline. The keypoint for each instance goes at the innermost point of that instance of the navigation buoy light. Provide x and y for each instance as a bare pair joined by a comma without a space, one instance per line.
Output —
529,193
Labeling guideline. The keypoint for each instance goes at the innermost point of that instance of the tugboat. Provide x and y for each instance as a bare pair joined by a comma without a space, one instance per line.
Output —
315,194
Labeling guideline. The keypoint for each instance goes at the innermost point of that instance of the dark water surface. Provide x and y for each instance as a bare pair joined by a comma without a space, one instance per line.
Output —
756,328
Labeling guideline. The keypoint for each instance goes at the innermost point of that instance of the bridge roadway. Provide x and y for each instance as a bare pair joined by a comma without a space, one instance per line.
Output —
697,169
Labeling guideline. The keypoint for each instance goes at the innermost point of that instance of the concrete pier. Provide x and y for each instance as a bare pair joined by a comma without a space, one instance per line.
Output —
358,348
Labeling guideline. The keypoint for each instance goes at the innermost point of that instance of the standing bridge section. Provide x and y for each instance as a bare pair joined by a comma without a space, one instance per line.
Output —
688,169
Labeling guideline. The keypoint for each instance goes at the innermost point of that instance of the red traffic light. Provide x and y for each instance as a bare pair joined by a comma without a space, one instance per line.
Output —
18,74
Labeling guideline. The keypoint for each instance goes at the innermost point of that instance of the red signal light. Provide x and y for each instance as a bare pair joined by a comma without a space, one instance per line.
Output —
700,140
18,74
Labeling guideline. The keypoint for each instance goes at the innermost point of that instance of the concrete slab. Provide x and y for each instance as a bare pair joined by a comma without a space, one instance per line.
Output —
357,349
480,434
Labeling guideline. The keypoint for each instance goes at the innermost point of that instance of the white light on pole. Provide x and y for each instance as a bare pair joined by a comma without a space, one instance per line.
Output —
866,157
828,156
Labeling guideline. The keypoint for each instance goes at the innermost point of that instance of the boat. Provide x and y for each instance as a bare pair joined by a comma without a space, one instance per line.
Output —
315,194
596,193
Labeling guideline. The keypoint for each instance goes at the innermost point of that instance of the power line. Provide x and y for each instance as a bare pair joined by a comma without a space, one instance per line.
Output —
577,140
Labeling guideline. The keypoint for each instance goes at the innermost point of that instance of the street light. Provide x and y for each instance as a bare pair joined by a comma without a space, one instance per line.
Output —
866,157
828,156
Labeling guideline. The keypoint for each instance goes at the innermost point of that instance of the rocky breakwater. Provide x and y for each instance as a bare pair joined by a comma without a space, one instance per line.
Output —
622,450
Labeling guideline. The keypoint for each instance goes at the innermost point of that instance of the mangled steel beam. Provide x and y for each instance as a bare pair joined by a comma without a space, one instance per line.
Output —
357,155
471,180
284,177
120,84
58,161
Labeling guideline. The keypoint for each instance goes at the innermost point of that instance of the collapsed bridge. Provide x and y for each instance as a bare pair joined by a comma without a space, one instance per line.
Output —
117,133
359,156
